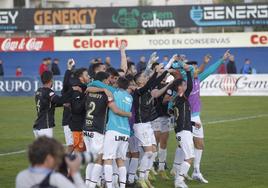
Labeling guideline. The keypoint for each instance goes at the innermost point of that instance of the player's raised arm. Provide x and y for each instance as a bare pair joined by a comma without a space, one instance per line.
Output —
206,60
123,65
211,69
189,80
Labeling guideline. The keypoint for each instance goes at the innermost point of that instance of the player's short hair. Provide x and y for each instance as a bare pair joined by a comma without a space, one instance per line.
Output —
122,83
46,77
191,63
102,76
129,64
176,84
112,71
154,65
95,66
79,72
129,77
42,147
137,76
120,70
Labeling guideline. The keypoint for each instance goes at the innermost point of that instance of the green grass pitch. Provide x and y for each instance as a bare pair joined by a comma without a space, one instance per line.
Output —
236,136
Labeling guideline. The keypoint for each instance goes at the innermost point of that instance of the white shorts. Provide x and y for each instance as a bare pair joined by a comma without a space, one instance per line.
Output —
43,132
145,134
133,144
161,124
68,135
185,141
199,133
94,142
115,145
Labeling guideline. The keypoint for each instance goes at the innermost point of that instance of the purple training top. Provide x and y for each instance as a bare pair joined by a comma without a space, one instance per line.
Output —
194,98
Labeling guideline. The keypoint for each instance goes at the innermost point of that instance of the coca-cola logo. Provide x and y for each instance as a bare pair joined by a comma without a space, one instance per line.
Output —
29,45
26,44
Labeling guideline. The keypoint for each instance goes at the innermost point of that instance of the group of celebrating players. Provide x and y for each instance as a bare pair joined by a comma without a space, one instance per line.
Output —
124,118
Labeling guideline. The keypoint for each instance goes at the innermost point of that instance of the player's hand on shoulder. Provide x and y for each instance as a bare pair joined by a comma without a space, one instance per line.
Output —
108,93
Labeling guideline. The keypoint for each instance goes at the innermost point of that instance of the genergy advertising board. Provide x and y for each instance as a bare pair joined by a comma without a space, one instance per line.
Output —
175,41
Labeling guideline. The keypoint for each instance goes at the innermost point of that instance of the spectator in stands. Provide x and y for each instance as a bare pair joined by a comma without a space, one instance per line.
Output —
231,67
44,66
46,155
165,60
18,71
222,69
246,69
55,67
141,65
99,60
108,62
1,68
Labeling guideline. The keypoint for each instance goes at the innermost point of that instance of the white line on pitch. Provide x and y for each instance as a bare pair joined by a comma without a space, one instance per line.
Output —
236,119
207,123
12,153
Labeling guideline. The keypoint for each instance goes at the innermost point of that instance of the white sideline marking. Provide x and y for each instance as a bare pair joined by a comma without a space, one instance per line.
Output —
12,153
236,119
207,123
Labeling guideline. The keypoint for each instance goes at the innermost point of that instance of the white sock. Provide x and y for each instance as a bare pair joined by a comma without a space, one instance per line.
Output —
95,175
144,164
133,166
115,173
179,157
122,176
162,156
88,172
127,161
197,159
185,166
152,159
108,174
151,163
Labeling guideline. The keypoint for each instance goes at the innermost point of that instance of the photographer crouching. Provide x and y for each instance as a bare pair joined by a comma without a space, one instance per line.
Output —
47,156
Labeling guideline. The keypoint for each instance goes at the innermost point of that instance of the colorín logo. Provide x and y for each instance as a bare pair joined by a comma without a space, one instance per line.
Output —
236,15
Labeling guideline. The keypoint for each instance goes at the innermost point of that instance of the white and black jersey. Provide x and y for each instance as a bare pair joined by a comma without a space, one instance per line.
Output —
46,100
96,112
144,102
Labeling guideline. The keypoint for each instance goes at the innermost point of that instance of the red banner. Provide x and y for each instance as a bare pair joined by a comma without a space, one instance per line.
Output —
26,44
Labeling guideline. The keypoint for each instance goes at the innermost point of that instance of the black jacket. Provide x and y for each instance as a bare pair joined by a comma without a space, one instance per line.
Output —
1,70
231,67
145,109
46,101
55,69
78,109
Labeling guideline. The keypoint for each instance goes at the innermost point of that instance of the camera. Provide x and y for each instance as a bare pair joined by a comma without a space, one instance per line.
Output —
87,157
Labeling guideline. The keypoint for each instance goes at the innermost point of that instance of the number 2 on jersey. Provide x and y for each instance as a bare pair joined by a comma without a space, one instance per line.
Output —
91,108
